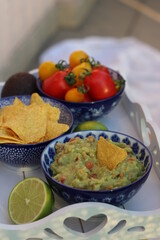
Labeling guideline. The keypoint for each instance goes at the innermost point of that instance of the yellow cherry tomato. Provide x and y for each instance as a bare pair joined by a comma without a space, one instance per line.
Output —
46,70
76,57
80,72
73,95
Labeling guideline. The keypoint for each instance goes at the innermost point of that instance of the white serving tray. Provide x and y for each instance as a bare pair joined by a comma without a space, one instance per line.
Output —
137,219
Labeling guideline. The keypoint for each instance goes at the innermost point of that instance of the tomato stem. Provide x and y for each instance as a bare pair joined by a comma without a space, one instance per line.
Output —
84,74
70,78
61,65
83,89
84,60
118,84
92,61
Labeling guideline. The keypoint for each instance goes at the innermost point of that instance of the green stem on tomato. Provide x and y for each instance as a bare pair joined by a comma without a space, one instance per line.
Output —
61,65
119,84
84,74
70,79
92,61
83,89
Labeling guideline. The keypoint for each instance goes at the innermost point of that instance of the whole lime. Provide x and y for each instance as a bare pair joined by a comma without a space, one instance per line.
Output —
90,125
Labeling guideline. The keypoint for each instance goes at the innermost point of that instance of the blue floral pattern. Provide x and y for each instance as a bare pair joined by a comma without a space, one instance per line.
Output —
142,154
116,196
126,141
135,148
115,138
29,154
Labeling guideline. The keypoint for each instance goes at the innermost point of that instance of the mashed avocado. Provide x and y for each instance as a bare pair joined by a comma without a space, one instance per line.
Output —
76,165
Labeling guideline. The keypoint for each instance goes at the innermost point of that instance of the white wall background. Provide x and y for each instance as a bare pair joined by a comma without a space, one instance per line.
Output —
25,25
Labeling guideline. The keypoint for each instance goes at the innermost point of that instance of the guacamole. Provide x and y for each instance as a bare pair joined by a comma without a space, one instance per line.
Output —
76,165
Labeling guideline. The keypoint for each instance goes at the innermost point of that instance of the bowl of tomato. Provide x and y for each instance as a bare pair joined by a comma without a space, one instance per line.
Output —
88,88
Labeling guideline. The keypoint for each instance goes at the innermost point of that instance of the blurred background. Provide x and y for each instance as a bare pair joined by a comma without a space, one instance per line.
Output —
28,28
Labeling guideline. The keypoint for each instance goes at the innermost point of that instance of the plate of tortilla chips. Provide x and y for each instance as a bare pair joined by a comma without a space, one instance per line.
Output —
27,125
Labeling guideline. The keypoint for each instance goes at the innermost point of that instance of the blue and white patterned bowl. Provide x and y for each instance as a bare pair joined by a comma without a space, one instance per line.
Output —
117,196
27,155
90,110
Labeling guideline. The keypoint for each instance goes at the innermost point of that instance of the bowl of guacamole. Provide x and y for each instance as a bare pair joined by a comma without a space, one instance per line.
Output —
99,166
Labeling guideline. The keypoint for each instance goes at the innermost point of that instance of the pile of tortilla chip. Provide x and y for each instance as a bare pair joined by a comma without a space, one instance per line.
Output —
29,124
109,155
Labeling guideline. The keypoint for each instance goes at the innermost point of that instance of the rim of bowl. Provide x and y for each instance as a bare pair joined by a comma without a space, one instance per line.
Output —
101,191
38,83
40,143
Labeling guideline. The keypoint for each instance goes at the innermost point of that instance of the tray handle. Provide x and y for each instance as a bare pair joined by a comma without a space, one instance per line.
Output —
119,224
146,128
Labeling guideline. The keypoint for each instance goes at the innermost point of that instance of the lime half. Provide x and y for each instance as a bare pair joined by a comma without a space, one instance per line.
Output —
31,199
90,125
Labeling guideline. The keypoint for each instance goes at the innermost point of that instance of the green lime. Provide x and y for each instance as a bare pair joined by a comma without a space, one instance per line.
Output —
90,125
31,199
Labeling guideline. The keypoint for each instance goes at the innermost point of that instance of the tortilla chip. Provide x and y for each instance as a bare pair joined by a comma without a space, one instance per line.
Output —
1,120
13,141
53,113
9,112
35,98
8,136
55,129
109,155
18,102
7,132
37,122
28,123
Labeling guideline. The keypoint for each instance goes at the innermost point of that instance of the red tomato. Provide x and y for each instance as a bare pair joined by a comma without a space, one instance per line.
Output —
62,179
89,165
87,98
102,68
56,85
100,85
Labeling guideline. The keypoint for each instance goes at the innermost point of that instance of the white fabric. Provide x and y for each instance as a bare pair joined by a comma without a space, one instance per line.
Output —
137,62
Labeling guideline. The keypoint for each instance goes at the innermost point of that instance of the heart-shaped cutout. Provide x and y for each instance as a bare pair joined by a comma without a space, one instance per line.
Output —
87,227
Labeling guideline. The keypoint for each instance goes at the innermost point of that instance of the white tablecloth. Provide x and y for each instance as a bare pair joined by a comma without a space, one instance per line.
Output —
137,62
